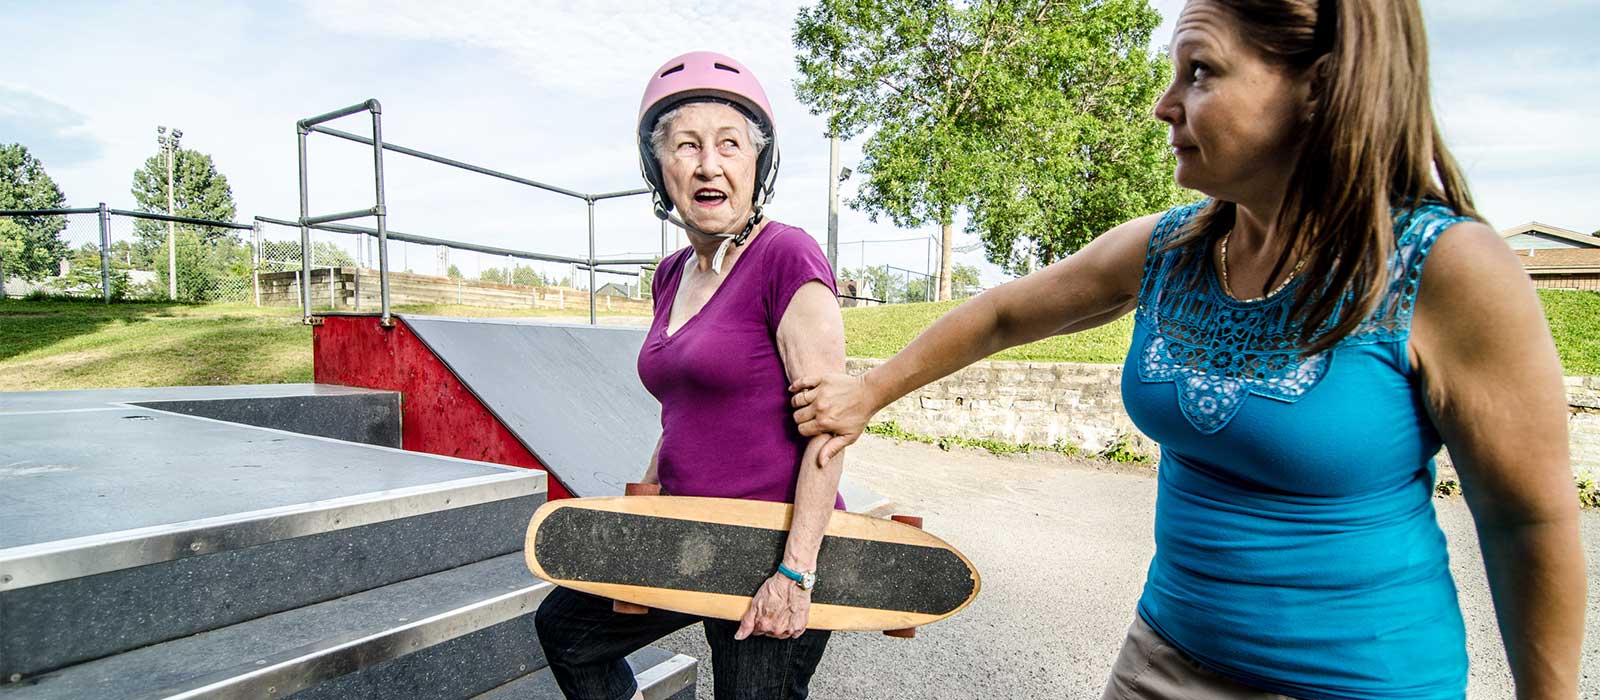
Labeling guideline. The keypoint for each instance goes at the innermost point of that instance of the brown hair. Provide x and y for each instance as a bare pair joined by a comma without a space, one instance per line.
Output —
1371,143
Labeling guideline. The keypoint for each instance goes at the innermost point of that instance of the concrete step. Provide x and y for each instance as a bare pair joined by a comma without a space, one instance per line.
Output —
158,525
661,675
452,634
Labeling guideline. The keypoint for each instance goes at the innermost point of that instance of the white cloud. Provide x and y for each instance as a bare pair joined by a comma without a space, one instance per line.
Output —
54,133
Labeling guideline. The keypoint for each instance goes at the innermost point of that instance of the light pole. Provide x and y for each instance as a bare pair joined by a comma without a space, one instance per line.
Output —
833,201
169,144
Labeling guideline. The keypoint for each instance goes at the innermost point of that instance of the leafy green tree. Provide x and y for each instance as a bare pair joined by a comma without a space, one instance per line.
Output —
528,276
199,191
647,280
30,246
453,273
492,274
965,280
328,254
1031,116
83,274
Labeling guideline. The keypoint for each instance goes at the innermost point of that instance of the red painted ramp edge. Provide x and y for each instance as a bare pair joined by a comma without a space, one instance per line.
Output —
439,415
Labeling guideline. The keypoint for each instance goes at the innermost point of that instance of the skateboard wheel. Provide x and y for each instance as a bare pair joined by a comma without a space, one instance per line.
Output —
907,633
622,608
912,520
638,489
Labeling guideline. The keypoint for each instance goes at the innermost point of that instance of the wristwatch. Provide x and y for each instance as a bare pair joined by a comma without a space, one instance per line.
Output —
804,580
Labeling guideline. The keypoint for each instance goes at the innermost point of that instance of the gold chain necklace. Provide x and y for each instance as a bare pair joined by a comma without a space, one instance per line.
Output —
1223,253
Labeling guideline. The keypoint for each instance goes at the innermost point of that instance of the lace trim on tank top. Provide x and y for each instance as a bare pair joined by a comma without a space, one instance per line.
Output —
1218,351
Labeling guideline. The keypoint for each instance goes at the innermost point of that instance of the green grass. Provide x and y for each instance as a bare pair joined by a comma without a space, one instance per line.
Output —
63,343
1575,324
68,344
881,331
1117,451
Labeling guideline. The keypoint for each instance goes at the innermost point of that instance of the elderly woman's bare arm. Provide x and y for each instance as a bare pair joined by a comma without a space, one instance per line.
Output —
1092,287
1495,392
650,474
810,340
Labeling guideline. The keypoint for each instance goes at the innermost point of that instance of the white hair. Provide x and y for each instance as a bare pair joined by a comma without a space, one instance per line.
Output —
658,136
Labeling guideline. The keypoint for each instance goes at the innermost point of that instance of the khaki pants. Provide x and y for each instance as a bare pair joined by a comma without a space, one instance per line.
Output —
1150,669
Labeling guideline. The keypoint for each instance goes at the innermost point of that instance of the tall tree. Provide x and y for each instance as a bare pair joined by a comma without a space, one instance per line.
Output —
200,192
1031,116
30,246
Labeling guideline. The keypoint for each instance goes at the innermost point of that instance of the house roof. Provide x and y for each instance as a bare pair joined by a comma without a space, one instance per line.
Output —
1561,260
1564,234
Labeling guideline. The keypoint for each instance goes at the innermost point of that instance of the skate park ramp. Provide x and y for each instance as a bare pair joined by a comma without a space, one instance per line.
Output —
571,394
187,542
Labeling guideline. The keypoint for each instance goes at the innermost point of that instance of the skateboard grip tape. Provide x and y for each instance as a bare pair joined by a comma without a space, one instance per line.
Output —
635,489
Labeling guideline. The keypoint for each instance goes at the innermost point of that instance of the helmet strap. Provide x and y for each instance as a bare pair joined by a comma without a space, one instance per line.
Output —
733,239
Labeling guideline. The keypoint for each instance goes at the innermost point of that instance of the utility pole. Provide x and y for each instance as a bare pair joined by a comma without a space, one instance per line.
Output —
833,202
170,145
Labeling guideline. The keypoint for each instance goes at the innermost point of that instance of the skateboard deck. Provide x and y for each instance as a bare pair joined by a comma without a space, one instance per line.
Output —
708,556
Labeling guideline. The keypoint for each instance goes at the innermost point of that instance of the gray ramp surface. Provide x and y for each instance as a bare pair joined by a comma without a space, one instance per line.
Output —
571,394
77,474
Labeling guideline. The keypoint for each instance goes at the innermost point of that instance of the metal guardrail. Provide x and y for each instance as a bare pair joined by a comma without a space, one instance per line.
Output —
307,222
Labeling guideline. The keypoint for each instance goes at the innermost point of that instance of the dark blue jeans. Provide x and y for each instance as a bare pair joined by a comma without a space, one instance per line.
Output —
585,643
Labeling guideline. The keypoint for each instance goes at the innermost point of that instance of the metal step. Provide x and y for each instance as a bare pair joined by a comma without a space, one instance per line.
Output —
123,526
453,634
661,675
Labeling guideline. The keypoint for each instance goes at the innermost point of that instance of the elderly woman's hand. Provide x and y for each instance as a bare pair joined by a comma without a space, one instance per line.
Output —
836,404
780,610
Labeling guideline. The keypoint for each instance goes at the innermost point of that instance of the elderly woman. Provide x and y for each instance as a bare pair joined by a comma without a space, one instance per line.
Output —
749,305
1304,340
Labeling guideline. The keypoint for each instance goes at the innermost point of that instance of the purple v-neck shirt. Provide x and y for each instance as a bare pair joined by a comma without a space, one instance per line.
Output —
726,425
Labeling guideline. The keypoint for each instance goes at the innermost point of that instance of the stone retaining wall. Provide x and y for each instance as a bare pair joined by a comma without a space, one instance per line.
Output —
1047,403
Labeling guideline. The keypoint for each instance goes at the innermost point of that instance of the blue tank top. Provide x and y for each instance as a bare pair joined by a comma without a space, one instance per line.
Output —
1296,544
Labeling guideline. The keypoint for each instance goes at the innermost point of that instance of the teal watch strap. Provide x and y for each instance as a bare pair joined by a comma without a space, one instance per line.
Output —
791,574
805,581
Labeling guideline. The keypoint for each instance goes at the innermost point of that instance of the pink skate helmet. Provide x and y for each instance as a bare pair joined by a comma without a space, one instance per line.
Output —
704,76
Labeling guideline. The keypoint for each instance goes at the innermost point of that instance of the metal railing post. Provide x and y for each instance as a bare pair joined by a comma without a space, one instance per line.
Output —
592,320
255,260
105,252
305,233
381,212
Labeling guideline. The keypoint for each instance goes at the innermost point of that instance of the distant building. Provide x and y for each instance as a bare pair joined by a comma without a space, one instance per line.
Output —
614,289
1554,257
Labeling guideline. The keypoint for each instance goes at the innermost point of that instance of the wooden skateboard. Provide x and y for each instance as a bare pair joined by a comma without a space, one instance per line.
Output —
708,556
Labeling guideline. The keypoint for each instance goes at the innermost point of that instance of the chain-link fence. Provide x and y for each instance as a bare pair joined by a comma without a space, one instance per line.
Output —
118,254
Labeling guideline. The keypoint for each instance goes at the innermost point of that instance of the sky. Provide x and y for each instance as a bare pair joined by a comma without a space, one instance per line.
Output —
550,90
